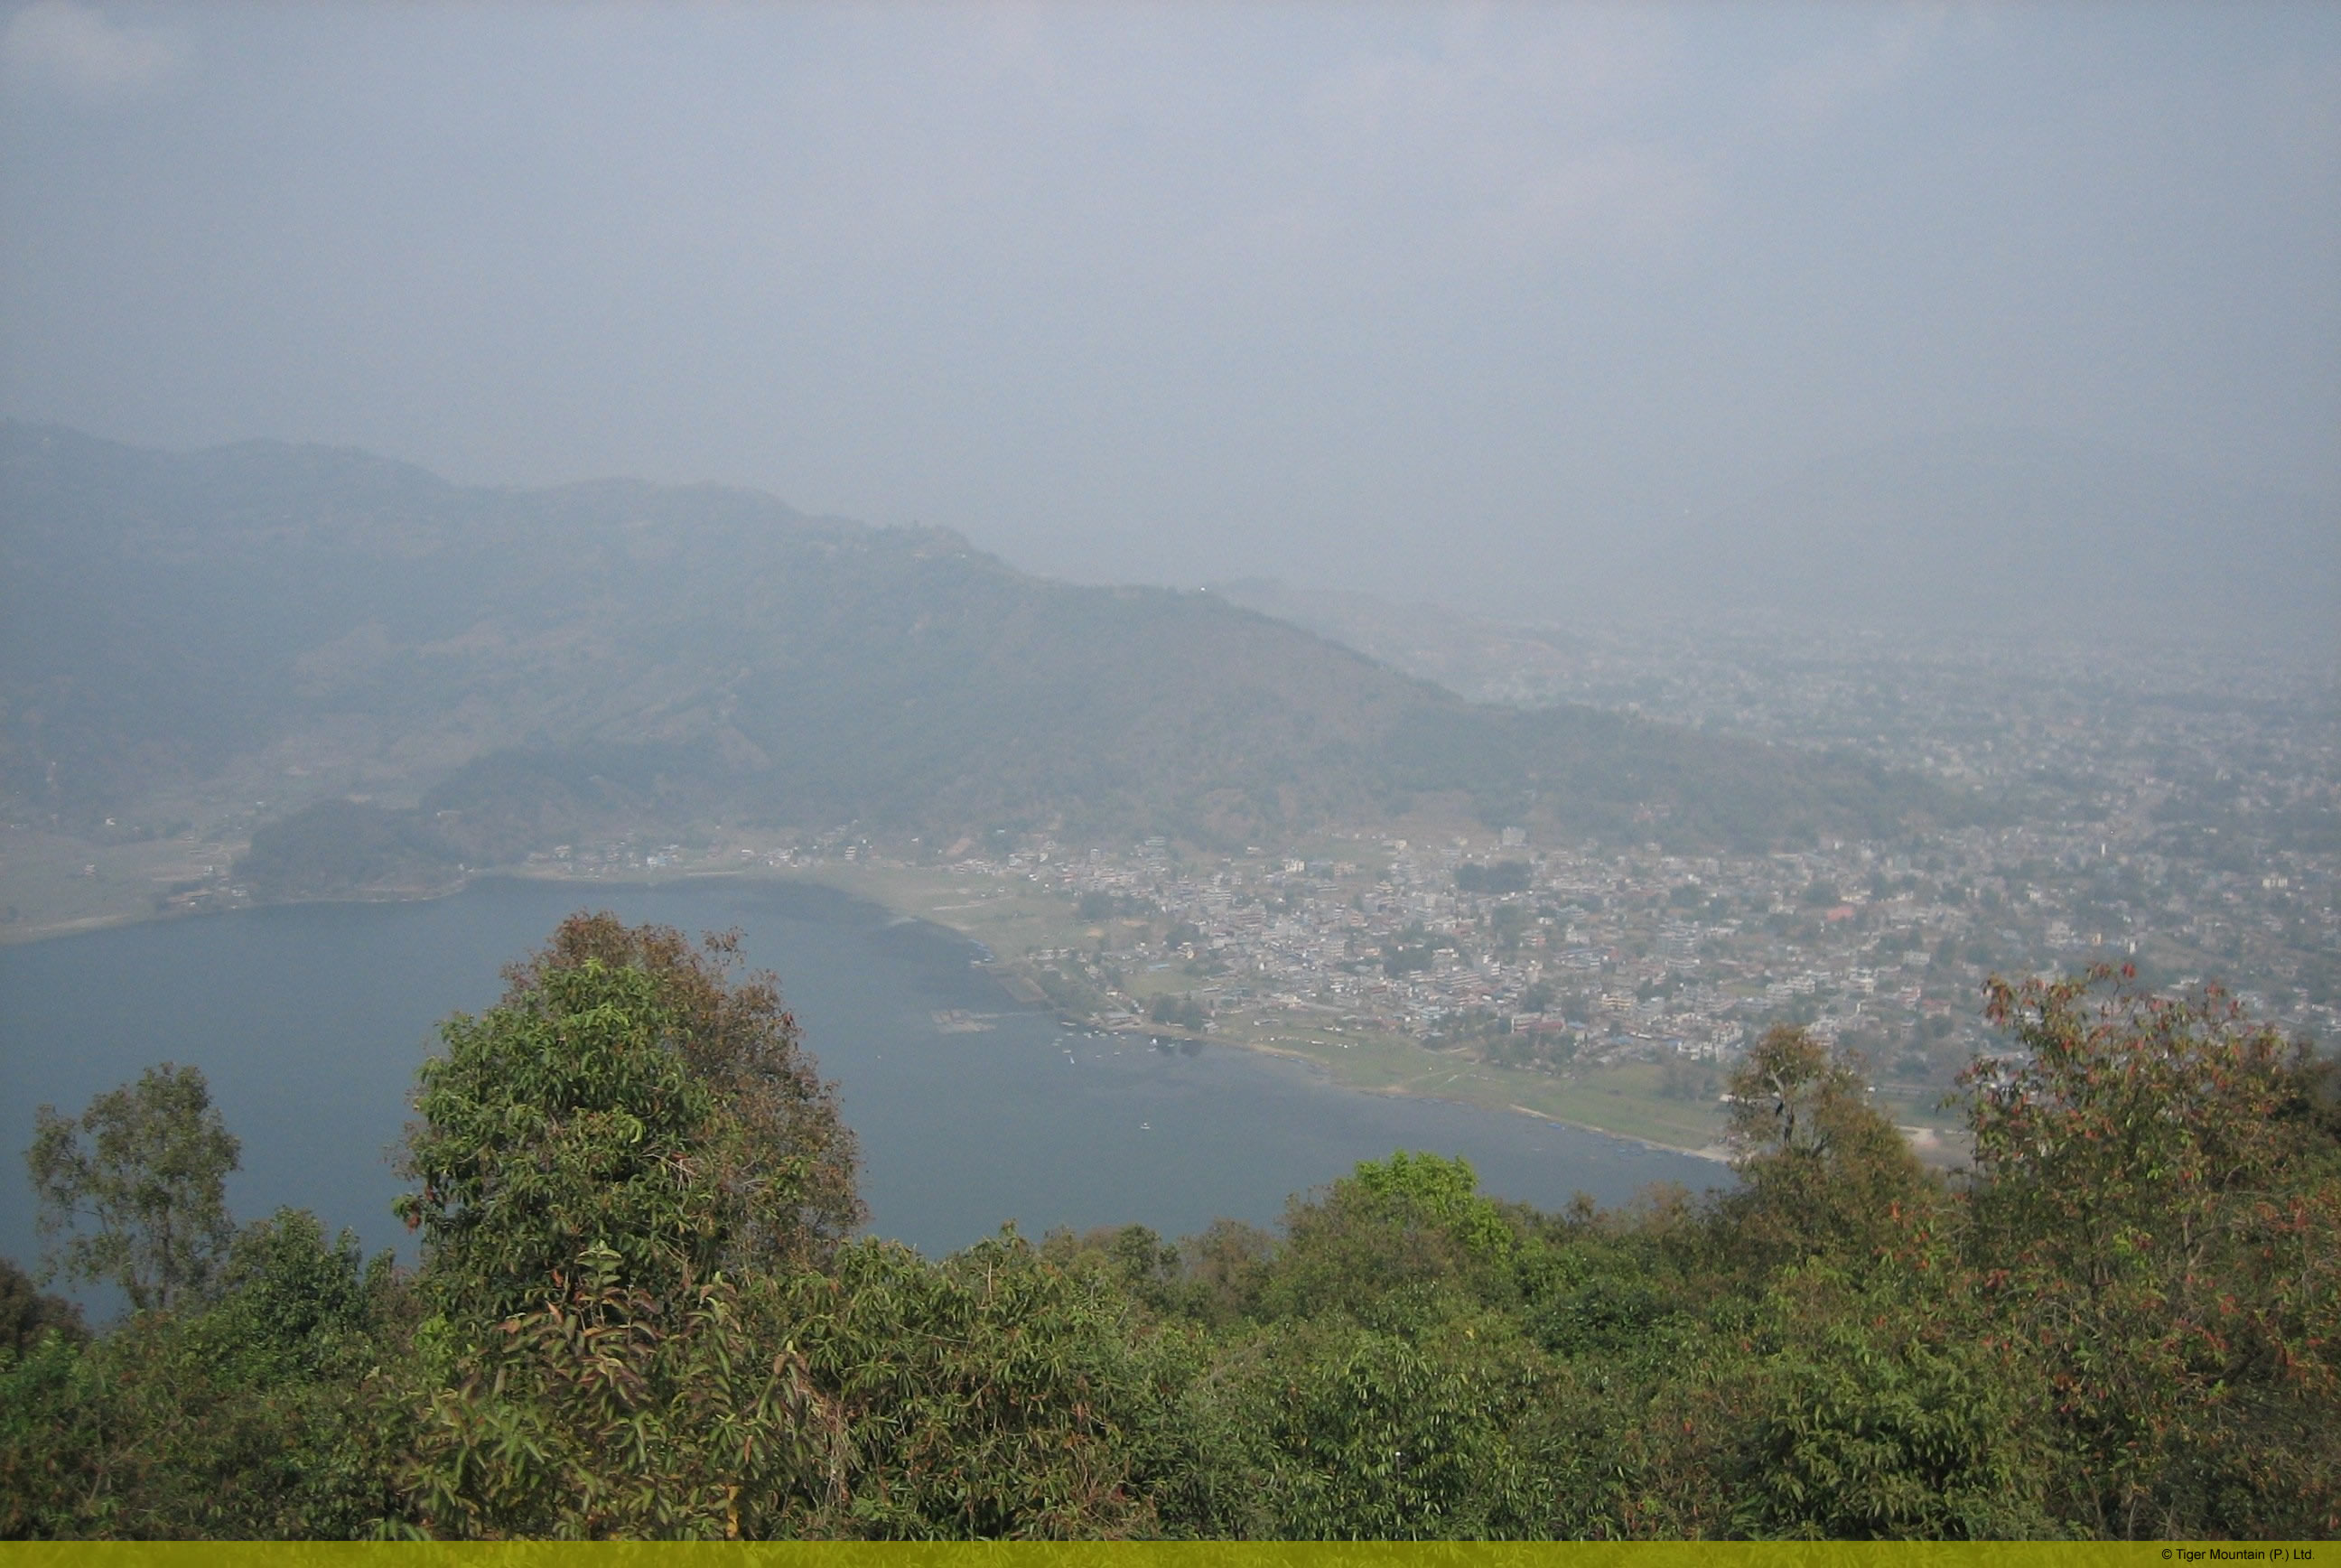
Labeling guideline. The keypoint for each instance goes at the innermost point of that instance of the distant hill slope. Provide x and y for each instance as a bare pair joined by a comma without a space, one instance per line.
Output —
535,663
1486,661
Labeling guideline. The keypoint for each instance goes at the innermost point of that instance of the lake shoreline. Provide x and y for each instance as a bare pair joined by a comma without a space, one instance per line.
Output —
1713,1153
857,888
311,1022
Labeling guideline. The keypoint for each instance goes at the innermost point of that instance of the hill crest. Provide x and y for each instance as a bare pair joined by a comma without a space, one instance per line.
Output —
526,664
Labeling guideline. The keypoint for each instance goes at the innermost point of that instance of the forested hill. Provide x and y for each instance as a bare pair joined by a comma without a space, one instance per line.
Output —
541,662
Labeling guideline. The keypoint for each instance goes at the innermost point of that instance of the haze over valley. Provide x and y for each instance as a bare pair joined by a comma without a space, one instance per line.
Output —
1460,771
1265,816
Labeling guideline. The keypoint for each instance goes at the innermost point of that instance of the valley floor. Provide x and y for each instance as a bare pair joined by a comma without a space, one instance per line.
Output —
1625,1101
54,885
1040,943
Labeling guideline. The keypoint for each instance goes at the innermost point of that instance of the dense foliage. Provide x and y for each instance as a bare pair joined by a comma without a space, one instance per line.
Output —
624,1096
136,1186
638,1313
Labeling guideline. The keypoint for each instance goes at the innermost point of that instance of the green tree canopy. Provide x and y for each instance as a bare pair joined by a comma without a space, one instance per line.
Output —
145,1168
636,1318
1823,1173
27,1315
2157,1203
627,1095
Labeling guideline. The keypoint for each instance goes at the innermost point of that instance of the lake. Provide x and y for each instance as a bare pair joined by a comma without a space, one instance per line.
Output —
309,1022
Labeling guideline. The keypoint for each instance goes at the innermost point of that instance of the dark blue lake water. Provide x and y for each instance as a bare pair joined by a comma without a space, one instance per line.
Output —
309,1022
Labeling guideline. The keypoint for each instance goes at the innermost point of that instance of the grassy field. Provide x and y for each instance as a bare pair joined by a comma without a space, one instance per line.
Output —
1624,1100
51,884
1010,915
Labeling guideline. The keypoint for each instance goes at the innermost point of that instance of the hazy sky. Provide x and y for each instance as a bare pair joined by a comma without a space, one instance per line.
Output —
1419,298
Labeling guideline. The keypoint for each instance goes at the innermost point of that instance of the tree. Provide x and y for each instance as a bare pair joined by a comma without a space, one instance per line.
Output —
798,1160
1823,1173
27,1316
146,1166
1425,1429
1838,1408
255,1416
1415,1219
623,1095
612,1410
2157,1194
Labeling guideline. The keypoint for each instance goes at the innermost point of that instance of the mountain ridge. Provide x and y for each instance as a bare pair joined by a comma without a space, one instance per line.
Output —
531,665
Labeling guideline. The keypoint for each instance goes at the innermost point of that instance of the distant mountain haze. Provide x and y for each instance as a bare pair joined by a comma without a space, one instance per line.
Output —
531,667
2015,533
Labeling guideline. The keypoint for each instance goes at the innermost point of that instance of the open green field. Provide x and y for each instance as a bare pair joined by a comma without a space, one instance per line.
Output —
1624,1100
1010,915
52,885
